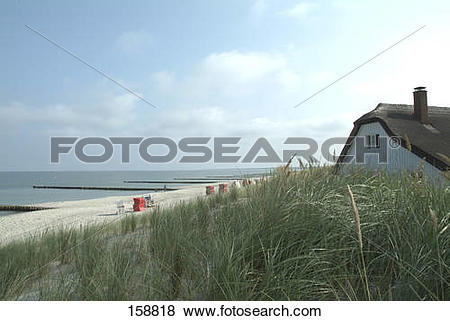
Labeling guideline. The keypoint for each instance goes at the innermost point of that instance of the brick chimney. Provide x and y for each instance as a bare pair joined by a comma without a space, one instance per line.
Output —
421,105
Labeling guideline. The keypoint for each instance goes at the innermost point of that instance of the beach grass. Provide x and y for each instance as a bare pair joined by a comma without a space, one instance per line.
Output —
308,235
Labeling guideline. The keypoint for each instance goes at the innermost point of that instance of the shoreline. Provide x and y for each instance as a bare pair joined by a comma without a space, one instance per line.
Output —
69,214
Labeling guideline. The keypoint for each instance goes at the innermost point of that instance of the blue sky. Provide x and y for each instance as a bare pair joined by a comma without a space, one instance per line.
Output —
213,68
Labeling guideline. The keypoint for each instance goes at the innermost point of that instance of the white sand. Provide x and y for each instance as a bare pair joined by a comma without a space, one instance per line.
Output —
76,213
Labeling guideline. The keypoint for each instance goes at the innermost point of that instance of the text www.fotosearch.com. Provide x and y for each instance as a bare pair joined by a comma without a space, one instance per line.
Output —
234,311
223,311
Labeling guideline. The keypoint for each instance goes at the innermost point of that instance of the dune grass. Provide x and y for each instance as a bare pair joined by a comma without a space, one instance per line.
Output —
308,235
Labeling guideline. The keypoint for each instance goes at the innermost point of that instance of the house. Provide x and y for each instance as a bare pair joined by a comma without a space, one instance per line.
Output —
398,137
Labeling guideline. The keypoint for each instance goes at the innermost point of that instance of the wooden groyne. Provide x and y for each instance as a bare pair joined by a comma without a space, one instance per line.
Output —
108,188
173,182
23,208
228,177
203,179
220,178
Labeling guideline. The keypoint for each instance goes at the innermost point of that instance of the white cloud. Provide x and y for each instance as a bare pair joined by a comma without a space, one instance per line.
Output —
132,42
239,77
300,10
422,61
289,80
227,93
231,93
113,114
222,121
243,67
245,93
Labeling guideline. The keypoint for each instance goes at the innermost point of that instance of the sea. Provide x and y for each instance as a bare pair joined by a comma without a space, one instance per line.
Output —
16,188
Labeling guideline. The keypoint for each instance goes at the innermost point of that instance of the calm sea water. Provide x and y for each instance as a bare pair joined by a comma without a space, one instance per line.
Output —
17,187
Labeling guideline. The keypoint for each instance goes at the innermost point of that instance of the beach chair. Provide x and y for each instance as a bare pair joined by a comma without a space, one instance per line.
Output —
120,208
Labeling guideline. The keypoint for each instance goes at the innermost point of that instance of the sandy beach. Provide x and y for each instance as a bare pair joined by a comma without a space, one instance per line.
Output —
75,213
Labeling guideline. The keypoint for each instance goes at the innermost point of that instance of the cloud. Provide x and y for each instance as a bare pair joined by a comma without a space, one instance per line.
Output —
227,78
239,77
226,93
233,93
422,61
133,42
243,67
244,93
300,10
109,114
221,121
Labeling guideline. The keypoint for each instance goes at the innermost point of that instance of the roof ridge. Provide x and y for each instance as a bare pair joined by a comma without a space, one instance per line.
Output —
408,105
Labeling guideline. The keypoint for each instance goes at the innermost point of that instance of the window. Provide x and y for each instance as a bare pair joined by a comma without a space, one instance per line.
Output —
373,141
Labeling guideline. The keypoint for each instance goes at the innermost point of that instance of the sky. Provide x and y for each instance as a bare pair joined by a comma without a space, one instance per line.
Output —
212,68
